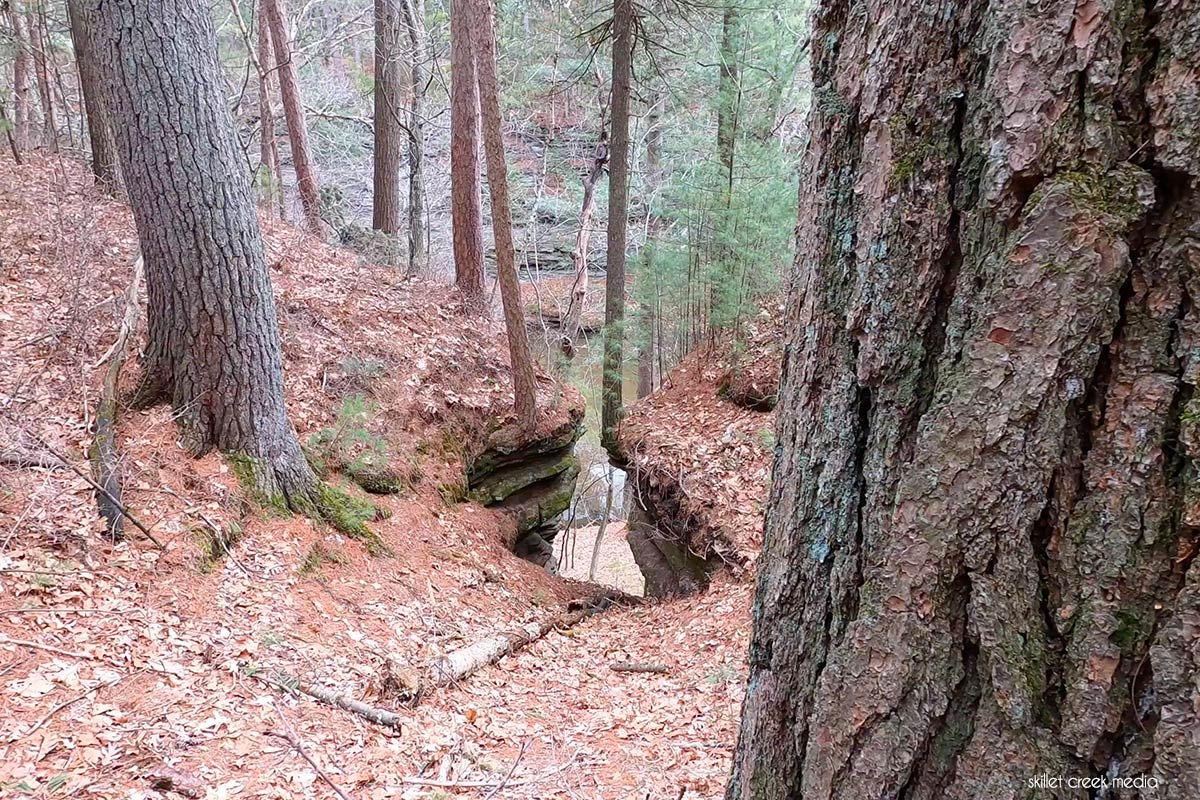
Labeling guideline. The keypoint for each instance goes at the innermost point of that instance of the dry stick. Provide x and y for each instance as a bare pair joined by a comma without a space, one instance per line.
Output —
379,716
290,736
657,669
48,648
509,774
67,703
118,506
25,460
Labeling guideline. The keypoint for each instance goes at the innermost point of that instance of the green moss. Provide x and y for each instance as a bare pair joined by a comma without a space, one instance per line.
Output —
1115,193
250,474
317,556
1132,629
216,544
348,514
453,493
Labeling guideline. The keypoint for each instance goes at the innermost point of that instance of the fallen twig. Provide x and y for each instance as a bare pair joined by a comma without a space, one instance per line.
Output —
629,666
509,774
290,736
48,648
65,704
25,460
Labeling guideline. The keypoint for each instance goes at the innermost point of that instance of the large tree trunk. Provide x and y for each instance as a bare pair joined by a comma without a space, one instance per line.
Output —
269,167
35,24
213,347
104,149
466,201
418,234
484,46
293,112
978,564
618,224
389,149
21,64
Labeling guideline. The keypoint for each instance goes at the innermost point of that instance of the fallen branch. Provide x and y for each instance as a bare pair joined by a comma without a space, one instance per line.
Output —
23,459
289,735
657,669
65,704
48,649
379,716
106,468
116,503
461,663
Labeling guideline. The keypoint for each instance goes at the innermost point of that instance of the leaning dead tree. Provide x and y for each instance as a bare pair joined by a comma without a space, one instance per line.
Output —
980,548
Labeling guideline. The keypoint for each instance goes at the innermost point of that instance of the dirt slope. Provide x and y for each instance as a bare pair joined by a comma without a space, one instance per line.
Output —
138,663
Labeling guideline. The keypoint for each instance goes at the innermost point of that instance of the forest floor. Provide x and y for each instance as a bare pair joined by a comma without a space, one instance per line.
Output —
125,668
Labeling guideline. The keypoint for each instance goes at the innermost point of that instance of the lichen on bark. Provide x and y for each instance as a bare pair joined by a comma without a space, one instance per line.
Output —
984,501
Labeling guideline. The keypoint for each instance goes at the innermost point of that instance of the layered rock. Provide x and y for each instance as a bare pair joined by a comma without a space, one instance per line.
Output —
533,482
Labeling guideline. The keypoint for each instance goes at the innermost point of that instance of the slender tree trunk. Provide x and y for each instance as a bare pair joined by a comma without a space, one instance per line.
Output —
269,166
979,560
572,323
618,223
418,231
653,183
35,22
293,112
385,215
729,93
104,149
21,65
213,347
466,202
484,46
418,228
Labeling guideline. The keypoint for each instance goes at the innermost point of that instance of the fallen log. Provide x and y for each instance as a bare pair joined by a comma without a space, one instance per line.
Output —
461,663
106,469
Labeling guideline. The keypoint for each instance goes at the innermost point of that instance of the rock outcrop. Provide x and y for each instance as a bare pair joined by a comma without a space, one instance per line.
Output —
533,482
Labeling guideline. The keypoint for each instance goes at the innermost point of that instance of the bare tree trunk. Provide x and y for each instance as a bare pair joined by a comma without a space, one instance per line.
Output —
649,313
618,223
21,63
293,112
608,505
979,560
729,92
35,21
213,347
484,46
579,256
272,180
466,203
418,227
104,149
385,214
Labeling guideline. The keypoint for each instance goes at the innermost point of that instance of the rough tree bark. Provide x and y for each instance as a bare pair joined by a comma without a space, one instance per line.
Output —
104,149
21,108
389,137
483,45
979,557
293,113
645,382
213,347
418,234
618,224
466,203
267,140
